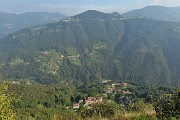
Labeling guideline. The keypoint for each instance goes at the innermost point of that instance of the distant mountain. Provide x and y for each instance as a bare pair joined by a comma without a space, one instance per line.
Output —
10,23
93,46
157,12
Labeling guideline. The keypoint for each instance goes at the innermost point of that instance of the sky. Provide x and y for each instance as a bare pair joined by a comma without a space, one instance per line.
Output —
72,7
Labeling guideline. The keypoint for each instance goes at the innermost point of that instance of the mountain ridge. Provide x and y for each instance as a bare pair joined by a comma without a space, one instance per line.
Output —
94,47
157,12
11,22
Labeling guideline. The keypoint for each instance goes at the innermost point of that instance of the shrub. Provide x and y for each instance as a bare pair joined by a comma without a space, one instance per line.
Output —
168,106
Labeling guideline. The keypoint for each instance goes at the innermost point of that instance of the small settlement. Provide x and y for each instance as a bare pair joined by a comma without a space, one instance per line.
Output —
89,102
116,88
110,88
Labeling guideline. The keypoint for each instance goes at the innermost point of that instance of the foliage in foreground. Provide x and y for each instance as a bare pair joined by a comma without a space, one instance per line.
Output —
6,101
168,106
112,111
39,102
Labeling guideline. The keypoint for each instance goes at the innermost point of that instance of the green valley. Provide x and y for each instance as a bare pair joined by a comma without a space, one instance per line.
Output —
92,66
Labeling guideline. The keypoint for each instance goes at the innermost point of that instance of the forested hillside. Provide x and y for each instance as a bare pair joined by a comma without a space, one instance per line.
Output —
127,101
94,46
10,22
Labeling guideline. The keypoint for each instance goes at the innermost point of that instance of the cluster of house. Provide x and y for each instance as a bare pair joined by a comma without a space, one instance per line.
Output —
73,57
70,20
18,82
89,102
113,88
116,88
70,57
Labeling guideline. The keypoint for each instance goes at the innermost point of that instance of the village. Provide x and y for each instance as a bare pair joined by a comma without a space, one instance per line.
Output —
110,87
115,87
89,102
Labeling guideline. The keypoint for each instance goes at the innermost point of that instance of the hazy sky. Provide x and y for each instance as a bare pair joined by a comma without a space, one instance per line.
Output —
72,7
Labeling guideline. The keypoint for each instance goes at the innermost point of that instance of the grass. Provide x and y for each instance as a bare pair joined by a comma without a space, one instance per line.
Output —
71,51
76,62
50,61
16,61
100,45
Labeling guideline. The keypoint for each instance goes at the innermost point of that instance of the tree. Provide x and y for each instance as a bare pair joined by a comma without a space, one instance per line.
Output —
168,106
105,109
6,101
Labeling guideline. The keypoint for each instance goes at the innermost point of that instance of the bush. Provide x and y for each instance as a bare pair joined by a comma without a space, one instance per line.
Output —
138,106
168,106
6,102
105,109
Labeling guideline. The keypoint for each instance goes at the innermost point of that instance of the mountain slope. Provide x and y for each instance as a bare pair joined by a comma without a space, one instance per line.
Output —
157,12
94,45
10,23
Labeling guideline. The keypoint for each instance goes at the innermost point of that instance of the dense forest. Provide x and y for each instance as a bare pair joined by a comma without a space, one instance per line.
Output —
94,46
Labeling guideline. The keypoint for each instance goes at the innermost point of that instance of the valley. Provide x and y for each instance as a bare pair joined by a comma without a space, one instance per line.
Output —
90,66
